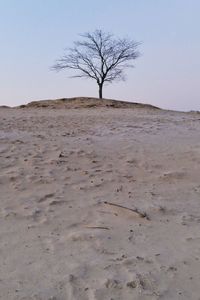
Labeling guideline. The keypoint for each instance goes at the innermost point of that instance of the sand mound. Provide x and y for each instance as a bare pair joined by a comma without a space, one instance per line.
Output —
4,106
85,102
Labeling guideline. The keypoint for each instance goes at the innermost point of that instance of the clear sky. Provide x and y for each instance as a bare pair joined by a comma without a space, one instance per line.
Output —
34,33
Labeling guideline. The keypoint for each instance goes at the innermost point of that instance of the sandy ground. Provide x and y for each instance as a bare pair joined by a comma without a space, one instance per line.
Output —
99,204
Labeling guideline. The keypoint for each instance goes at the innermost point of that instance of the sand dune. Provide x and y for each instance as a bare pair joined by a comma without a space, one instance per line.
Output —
99,204
85,102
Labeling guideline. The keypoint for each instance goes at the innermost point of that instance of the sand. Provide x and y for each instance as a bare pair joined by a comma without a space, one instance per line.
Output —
99,204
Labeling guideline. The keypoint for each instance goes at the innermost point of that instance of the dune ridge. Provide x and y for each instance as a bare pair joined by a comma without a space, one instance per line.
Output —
85,102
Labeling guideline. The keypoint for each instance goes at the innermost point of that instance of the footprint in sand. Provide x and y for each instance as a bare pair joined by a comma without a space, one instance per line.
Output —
77,289
173,176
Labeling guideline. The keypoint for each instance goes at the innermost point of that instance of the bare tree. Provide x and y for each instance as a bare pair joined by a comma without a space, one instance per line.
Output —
99,56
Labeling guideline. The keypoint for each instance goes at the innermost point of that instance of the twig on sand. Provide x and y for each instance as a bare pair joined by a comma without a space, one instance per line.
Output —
97,227
141,214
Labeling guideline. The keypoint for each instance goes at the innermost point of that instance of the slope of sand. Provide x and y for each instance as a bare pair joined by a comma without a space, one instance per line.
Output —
99,204
85,102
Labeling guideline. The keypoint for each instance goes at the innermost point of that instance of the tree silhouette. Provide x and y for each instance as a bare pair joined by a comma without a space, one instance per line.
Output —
99,56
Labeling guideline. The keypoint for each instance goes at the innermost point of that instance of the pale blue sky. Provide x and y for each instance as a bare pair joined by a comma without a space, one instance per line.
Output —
34,33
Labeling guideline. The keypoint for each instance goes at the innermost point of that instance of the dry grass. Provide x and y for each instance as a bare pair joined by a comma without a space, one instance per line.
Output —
85,102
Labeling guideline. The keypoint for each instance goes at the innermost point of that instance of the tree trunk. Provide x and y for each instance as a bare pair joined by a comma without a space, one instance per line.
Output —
100,91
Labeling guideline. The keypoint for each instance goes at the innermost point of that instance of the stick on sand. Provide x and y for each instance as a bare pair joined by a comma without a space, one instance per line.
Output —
142,215
96,227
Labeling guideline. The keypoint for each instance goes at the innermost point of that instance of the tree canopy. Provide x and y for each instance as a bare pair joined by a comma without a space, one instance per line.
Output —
99,56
